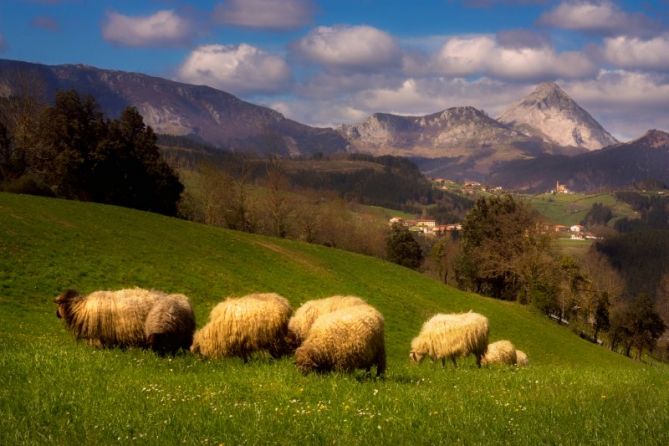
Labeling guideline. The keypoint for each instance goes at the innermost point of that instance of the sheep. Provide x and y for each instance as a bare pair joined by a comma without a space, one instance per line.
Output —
129,318
305,316
241,326
500,352
451,336
345,340
521,359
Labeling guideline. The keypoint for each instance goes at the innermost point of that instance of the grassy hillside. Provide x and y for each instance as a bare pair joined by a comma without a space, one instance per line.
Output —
54,390
570,209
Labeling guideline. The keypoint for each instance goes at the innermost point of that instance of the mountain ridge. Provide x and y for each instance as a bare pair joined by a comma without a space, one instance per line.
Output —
176,108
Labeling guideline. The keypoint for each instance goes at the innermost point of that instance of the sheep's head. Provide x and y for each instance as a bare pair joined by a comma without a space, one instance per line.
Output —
63,301
304,360
416,357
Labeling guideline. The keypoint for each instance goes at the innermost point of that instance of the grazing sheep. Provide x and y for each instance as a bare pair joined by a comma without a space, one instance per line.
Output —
500,352
129,318
451,336
521,359
241,326
306,315
345,340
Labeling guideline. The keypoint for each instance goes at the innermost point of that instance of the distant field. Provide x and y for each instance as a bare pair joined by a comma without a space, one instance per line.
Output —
54,390
570,209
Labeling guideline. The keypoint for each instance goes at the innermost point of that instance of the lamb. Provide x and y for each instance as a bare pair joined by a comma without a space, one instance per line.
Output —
500,352
241,326
451,336
521,359
344,340
306,315
129,318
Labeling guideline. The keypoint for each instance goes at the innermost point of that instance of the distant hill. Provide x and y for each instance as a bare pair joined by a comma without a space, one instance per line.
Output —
612,167
175,108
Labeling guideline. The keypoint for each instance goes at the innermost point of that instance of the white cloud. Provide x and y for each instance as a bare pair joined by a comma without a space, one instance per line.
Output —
633,52
162,28
599,17
267,14
350,47
627,103
483,55
239,69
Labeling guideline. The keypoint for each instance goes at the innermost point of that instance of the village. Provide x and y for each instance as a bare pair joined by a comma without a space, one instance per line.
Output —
431,228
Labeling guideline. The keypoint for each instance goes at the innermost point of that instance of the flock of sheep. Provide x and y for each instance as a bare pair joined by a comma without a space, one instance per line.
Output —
336,333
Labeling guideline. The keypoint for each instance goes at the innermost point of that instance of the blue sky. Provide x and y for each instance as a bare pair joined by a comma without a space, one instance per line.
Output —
332,61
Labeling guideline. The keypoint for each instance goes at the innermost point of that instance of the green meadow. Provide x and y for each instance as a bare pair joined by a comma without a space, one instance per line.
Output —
54,390
571,209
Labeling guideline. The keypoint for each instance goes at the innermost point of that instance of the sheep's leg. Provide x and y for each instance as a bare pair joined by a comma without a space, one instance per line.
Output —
478,361
381,363
443,363
455,364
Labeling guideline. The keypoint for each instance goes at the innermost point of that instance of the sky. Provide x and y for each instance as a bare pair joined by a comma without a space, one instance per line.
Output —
328,62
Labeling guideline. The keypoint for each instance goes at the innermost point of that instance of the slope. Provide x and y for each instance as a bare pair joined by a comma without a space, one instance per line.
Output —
174,108
612,167
55,390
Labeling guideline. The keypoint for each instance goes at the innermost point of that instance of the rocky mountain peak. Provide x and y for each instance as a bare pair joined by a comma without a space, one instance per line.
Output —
550,113
655,139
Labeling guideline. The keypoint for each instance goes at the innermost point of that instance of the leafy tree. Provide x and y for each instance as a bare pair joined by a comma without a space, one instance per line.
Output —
504,253
402,248
601,316
636,324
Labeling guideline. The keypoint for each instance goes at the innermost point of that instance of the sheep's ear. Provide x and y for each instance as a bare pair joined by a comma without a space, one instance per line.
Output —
65,296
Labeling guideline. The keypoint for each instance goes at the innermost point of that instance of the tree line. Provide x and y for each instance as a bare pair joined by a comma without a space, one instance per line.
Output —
71,150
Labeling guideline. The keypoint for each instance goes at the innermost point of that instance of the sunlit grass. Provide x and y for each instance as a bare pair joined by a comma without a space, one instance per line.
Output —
54,390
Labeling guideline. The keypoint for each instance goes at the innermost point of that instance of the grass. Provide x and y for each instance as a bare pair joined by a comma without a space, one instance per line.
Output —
54,390
571,209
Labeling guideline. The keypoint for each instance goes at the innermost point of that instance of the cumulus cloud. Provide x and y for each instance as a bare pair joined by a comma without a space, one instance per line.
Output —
633,52
240,69
350,48
597,17
627,103
45,22
164,28
267,14
484,55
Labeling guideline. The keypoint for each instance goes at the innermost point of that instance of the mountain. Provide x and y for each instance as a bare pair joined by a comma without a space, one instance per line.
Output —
611,167
549,113
459,143
175,108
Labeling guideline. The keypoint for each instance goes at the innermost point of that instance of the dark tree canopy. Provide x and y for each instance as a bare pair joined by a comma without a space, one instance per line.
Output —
503,252
402,248
76,152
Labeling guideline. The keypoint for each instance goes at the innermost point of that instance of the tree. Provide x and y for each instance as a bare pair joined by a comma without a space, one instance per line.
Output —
636,324
443,255
277,203
402,248
501,245
601,317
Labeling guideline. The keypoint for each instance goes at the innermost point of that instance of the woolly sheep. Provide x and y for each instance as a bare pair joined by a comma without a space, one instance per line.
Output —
521,359
347,339
241,326
129,318
306,315
500,352
451,336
